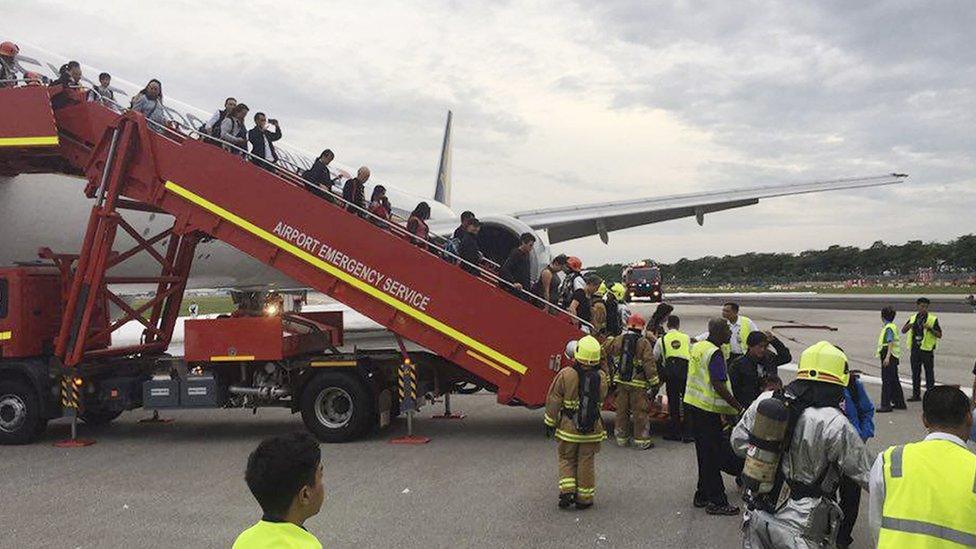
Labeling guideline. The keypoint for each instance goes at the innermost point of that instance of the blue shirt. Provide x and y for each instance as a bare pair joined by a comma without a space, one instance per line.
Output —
861,414
716,367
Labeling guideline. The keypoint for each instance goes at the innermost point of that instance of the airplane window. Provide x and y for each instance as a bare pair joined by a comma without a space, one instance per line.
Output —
3,298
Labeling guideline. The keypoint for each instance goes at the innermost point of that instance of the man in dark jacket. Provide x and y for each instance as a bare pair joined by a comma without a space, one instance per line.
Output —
262,141
469,250
748,371
517,267
465,217
354,192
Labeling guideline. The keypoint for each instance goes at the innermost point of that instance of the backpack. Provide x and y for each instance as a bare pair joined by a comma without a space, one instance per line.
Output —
566,290
588,412
614,324
628,355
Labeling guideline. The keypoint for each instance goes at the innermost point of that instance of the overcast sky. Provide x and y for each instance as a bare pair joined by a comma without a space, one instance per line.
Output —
561,103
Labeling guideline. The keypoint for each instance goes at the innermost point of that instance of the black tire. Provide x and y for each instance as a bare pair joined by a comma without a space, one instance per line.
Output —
20,413
337,407
99,417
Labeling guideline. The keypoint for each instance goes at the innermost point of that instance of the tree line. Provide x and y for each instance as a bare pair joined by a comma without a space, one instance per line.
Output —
836,263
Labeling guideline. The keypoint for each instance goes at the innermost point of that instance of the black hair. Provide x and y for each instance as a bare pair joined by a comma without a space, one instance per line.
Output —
279,468
592,278
104,75
527,238
732,305
772,379
945,406
888,313
72,64
756,338
663,311
674,322
923,300
466,215
474,222
257,114
158,83
377,191
560,259
422,211
230,99
327,152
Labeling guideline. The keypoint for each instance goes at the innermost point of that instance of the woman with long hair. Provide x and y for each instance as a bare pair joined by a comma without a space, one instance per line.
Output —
655,326
379,204
417,224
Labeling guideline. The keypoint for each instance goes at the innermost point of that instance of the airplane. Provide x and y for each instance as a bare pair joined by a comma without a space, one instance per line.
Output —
50,210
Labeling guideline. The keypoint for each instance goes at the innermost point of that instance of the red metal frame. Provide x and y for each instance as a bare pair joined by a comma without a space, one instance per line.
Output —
508,343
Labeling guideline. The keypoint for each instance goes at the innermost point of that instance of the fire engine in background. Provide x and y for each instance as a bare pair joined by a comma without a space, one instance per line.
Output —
643,279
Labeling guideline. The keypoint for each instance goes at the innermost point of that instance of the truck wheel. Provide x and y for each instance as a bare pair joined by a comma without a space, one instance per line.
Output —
337,407
99,417
20,413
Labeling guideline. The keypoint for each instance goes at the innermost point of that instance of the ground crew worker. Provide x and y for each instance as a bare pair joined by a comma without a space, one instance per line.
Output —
922,494
598,312
924,334
708,396
889,351
672,353
573,416
821,444
635,376
284,474
741,328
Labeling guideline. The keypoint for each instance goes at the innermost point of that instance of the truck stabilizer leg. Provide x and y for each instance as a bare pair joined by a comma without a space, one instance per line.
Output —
155,419
74,441
447,410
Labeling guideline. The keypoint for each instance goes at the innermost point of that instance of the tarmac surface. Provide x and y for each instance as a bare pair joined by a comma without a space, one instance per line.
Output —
953,303
488,480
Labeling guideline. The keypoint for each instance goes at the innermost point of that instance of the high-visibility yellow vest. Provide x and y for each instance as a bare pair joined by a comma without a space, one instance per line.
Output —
744,331
929,340
930,496
676,344
699,391
276,535
882,345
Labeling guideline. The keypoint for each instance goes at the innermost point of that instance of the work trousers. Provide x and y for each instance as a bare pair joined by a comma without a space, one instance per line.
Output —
632,408
676,377
891,392
850,503
714,455
922,359
576,471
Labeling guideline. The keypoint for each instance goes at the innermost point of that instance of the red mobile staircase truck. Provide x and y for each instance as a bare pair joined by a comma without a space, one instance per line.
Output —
56,349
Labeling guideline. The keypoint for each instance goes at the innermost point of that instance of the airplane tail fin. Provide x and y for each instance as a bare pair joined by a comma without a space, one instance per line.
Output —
442,191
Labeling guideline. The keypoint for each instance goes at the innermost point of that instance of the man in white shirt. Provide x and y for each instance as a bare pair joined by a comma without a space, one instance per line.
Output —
922,493
741,327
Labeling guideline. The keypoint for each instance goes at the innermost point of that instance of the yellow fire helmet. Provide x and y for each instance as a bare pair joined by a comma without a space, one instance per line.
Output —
824,362
602,290
588,351
618,291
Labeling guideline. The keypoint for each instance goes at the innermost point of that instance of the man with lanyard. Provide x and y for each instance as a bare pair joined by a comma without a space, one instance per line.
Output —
924,334
922,494
708,396
673,351
740,327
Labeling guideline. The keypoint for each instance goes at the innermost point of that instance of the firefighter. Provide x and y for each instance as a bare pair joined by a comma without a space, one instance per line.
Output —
819,446
573,416
615,322
635,377
619,292
598,312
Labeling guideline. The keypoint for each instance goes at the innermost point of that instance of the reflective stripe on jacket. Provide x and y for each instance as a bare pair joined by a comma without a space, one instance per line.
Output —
699,391
563,401
930,496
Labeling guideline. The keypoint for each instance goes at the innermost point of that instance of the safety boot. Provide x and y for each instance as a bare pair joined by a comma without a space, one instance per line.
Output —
623,442
644,444
565,500
584,504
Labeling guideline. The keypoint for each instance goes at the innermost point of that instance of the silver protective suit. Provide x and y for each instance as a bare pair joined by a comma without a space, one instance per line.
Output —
823,439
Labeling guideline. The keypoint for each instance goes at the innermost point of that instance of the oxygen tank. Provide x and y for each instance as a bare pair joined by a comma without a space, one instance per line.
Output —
765,447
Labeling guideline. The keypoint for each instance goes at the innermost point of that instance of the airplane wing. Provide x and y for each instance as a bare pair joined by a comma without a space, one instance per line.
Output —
569,222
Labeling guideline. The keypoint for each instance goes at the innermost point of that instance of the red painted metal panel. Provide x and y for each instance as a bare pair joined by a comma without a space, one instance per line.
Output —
259,337
27,113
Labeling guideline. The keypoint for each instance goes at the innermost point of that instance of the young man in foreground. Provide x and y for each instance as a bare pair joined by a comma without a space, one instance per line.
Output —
285,475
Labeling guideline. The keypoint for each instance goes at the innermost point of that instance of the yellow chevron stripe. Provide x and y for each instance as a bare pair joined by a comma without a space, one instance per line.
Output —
4,336
349,279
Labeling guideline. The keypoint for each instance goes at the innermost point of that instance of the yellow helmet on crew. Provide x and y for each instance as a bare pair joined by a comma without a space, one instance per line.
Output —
602,290
618,291
587,351
824,362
